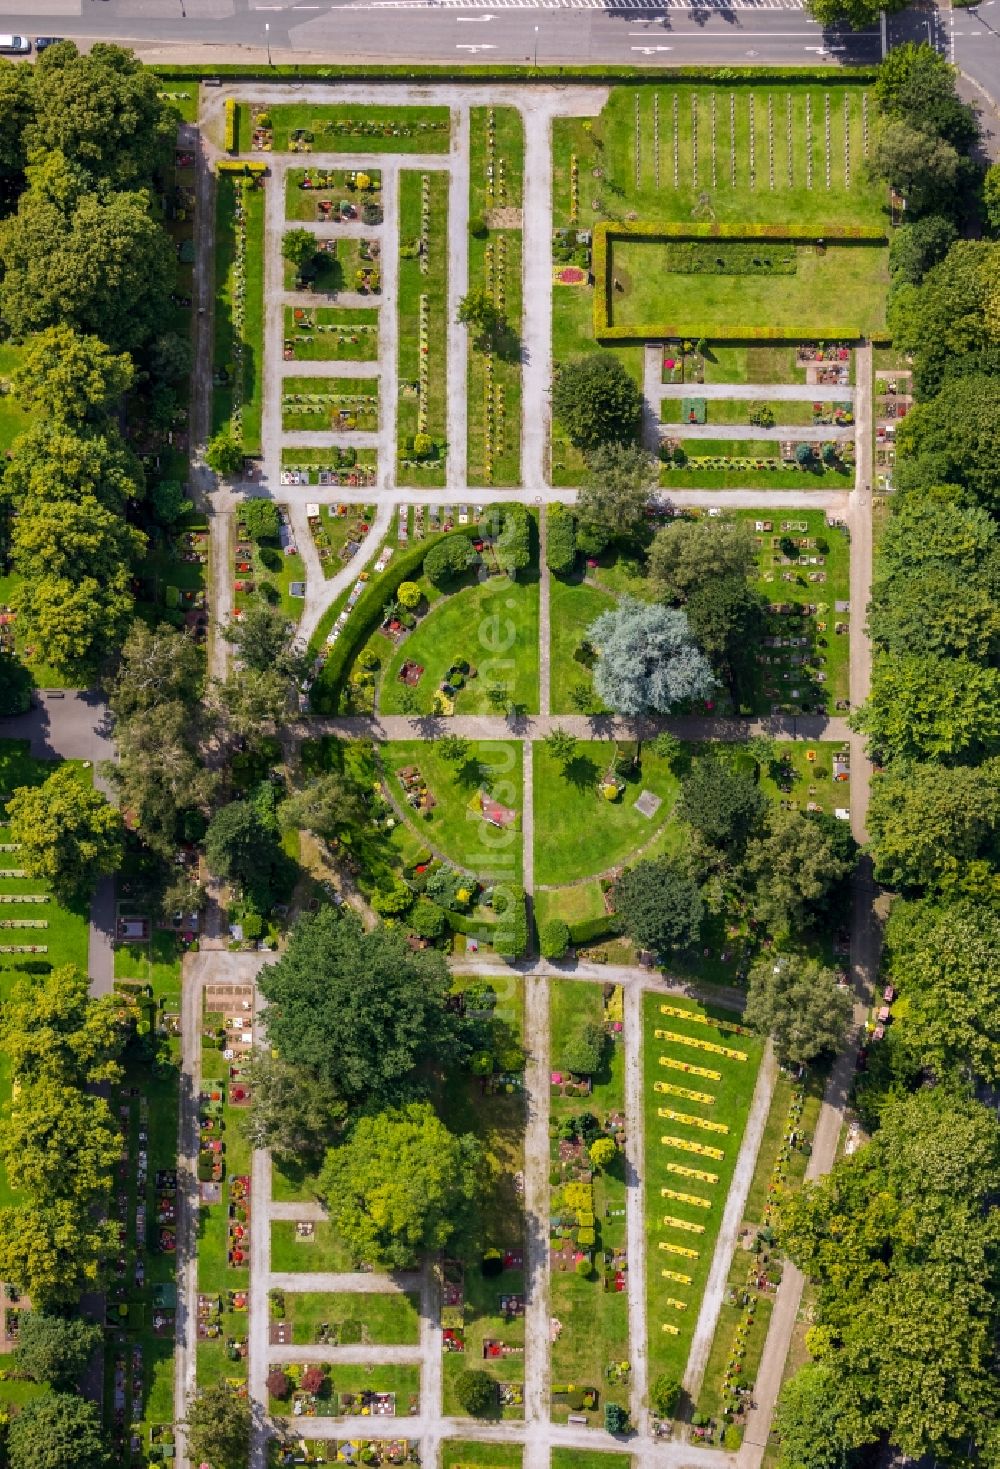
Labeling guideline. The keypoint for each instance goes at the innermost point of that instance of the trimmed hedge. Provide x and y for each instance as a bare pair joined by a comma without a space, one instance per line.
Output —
560,540
586,930
605,232
233,165
480,71
510,937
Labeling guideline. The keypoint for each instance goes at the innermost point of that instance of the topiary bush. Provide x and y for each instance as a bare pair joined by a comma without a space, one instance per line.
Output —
553,938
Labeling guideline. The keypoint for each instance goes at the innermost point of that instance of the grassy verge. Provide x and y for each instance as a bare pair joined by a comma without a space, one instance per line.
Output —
422,348
249,373
334,405
573,606
348,128
362,1317
332,334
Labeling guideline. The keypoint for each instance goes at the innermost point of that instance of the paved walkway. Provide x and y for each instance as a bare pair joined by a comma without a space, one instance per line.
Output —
536,1200
752,392
808,433
583,727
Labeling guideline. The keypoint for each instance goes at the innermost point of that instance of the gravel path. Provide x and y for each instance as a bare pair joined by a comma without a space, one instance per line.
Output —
335,368
544,619
764,392
536,329
344,1282
322,591
536,727
810,433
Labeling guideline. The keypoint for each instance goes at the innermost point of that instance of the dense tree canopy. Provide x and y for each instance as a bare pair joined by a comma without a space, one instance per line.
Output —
903,1253
816,1422
596,401
243,848
74,378
218,1424
722,803
292,1112
361,1010
53,460
659,905
794,866
797,1001
618,488
647,659
936,827
53,1032
70,835
400,1185
916,246
922,707
57,1429
928,170
858,14
688,554
939,609
55,1251
59,1142
916,83
949,315
17,105
54,1349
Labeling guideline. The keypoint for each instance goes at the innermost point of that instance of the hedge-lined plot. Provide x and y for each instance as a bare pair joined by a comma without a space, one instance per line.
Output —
690,1054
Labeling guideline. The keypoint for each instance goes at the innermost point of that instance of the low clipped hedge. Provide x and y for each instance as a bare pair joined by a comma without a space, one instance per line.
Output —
510,934
588,930
487,71
560,540
605,232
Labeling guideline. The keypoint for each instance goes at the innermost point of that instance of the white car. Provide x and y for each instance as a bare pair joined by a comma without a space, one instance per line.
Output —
19,44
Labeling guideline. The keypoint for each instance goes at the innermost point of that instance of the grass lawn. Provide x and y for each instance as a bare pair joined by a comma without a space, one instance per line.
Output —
731,1088
577,832
329,404
498,156
13,418
323,1252
573,336
573,606
371,1319
835,291
228,254
468,626
791,776
697,478
730,363
590,1459
328,184
784,137
185,98
422,347
14,1392
458,1453
332,334
357,128
354,1378
454,829
572,904
494,419
271,566
737,411
594,1320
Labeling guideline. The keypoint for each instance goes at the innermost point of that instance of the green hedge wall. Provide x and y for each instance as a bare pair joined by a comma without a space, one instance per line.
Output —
772,76
586,930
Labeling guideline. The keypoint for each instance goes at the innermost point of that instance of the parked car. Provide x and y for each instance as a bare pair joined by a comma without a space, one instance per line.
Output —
15,43
41,42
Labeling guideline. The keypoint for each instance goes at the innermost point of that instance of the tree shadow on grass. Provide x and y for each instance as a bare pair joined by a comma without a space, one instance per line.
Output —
581,772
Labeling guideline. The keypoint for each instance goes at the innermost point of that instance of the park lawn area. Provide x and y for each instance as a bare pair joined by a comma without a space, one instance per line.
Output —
645,116
393,1318
13,418
272,566
594,1320
795,779
332,333
15,1392
455,829
574,904
460,1453
422,347
577,832
334,184
494,442
228,258
573,605
731,1086
466,626
503,189
496,1216
156,962
573,336
325,1251
737,411
590,1459
352,127
836,291
731,363
185,98
327,404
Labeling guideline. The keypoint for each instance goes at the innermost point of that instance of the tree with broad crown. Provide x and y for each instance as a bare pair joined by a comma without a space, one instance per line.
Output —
158,773
602,1152
58,539
816,1423
261,519
325,805
17,108
68,376
69,834
158,666
618,488
926,708
56,1253
561,745
647,659
960,427
245,851
583,1051
218,1426
262,636
294,1113
660,906
949,315
687,554
299,248
279,1384
400,1185
313,1379
901,1246
937,827
479,309
663,1395
858,14
477,1392
454,749
940,610
725,806
53,460
512,546
55,1430
409,595
918,245
798,1003
359,1009
252,703
726,616
794,866
917,84
924,531
224,453
991,197
944,961
448,558
596,401
79,621
54,1033
54,1349
59,1142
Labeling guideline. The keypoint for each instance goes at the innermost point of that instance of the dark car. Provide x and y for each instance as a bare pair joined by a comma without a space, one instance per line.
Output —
42,41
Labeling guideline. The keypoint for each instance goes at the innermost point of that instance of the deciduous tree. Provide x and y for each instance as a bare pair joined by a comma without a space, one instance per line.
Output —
926,708
618,488
57,1429
69,834
660,906
63,375
794,866
242,849
293,1112
687,554
725,806
596,401
218,1426
325,805
54,1349
936,827
54,1033
798,1003
647,659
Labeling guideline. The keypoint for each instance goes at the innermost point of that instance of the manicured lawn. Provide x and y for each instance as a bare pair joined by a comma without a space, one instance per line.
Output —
494,418
354,127
226,331
334,404
376,1319
573,605
504,156
791,776
355,1378
731,1088
427,345
835,291
590,1459
654,194
331,333
323,1252
184,98
336,184
271,566
468,626
737,411
578,832
454,828
698,478
594,1320
572,904
728,363
459,1453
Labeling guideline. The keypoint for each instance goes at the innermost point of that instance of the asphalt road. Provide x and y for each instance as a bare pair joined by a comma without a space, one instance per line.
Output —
721,32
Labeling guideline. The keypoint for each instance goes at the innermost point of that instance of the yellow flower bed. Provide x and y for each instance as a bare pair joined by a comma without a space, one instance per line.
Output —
699,1173
678,1250
679,1014
690,1040
675,1304
686,1066
702,1149
695,1199
702,1122
676,1276
669,1326
672,1222
666,1088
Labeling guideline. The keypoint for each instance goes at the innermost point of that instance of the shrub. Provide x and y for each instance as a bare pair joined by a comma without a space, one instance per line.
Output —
553,938
561,544
261,519
448,558
584,1268
427,919
615,1418
478,227
583,1051
423,445
510,934
603,1152
663,1395
477,1392
492,1263
278,1384
409,595
313,1380
591,540
513,544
